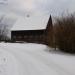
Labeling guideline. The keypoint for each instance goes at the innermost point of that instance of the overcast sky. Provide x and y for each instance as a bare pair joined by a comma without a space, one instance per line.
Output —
20,7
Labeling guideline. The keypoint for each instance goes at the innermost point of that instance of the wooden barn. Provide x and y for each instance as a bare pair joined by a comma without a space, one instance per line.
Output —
33,29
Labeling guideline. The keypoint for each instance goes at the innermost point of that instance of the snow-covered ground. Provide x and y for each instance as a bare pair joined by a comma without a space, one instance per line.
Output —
34,59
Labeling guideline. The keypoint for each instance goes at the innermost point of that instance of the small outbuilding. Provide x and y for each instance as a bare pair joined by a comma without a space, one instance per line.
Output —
33,29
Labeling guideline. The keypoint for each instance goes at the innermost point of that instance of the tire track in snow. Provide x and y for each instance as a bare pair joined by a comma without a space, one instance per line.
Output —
39,69
50,63
33,65
22,70
42,60
54,66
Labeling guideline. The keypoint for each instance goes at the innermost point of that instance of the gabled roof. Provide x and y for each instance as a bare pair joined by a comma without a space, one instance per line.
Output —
31,22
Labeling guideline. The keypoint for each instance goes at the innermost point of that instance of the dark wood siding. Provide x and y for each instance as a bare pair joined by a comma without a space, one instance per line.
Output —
33,36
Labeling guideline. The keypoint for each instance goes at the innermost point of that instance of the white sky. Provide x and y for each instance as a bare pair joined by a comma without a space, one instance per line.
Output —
20,7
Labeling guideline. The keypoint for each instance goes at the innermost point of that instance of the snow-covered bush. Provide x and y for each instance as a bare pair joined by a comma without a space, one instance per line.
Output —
65,33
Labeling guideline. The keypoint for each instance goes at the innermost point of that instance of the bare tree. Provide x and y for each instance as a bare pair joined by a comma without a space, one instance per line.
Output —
3,29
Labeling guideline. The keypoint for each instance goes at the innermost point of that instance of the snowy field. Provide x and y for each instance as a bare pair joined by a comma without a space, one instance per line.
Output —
34,59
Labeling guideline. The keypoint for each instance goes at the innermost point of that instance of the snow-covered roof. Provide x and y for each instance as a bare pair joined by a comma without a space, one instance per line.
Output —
31,22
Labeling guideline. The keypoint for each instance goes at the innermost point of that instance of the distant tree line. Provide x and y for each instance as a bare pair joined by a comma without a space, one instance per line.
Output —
64,33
